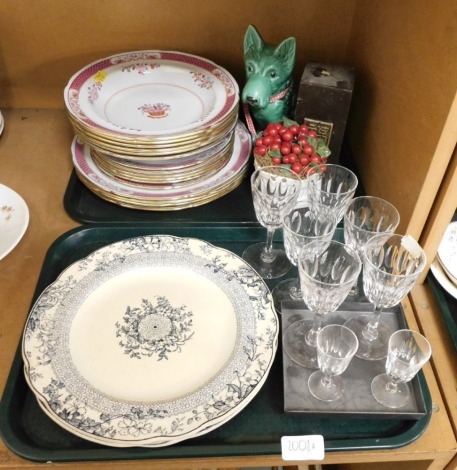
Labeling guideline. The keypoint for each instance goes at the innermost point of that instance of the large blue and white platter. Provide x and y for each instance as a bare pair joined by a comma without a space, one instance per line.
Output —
150,341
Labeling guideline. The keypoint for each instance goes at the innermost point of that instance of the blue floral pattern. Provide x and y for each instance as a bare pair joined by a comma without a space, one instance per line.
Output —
154,328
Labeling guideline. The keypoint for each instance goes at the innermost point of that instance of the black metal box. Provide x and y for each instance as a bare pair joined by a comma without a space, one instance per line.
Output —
323,102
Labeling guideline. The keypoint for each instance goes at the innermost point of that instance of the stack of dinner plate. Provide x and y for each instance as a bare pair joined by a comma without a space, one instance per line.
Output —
157,130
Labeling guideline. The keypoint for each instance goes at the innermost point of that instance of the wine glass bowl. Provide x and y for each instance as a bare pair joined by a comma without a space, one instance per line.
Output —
327,272
274,190
365,217
408,351
392,263
336,346
302,225
334,187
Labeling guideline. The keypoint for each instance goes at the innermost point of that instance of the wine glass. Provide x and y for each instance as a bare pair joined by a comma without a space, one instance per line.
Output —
408,351
302,225
392,263
334,187
336,346
327,273
365,217
274,190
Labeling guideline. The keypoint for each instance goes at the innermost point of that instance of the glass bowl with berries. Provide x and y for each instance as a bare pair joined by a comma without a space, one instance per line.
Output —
293,145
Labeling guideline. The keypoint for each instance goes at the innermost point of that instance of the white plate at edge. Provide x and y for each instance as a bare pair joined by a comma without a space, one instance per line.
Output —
447,252
2,123
14,219
442,278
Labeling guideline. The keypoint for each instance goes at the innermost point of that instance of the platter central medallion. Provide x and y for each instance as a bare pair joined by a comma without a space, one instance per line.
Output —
154,329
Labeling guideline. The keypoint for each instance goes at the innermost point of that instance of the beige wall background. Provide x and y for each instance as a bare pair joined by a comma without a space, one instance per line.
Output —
44,42
402,126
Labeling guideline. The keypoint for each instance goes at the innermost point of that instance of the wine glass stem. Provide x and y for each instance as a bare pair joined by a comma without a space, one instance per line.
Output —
295,291
370,332
327,381
311,336
267,255
392,386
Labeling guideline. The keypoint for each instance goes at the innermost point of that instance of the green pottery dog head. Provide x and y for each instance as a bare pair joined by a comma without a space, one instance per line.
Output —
268,88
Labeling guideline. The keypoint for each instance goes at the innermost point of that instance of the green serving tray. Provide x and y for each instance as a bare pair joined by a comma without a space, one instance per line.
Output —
257,430
85,207
235,208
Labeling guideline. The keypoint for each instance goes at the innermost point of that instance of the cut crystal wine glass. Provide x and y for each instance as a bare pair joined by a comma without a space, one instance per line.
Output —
327,273
274,190
392,263
336,346
408,351
301,226
334,187
365,217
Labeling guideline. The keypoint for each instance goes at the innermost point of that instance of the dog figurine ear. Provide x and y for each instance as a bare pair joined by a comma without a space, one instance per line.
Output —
286,50
253,40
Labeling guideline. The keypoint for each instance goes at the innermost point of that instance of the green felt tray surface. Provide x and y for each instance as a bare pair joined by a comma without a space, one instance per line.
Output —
86,207
257,430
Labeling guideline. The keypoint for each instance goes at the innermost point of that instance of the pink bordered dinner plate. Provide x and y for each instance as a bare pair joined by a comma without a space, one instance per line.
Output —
151,93
85,165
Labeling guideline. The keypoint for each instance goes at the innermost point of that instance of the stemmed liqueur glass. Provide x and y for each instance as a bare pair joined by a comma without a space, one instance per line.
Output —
274,190
301,226
392,263
408,351
334,187
336,346
365,217
327,273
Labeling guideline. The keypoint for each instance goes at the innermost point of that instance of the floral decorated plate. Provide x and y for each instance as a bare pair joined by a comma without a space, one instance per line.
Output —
14,219
447,252
151,93
150,341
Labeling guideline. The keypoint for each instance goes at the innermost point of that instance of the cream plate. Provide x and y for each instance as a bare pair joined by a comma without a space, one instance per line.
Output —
2,123
14,219
447,251
151,93
83,162
150,341
443,279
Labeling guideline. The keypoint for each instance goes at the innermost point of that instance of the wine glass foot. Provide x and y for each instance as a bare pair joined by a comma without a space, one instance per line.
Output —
285,290
296,347
277,267
325,391
370,350
388,396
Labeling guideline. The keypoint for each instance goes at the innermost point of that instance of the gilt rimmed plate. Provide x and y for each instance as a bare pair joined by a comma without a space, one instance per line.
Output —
14,219
150,341
151,93
447,251
85,165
